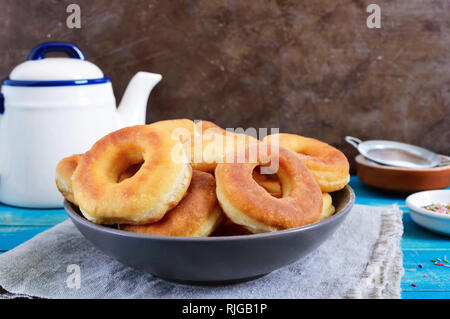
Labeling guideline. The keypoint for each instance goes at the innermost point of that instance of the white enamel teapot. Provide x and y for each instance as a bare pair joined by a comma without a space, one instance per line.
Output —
51,108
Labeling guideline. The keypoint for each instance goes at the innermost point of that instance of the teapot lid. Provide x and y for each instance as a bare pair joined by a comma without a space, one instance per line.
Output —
41,71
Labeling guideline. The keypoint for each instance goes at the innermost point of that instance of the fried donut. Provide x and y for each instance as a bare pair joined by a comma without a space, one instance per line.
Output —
327,208
269,182
248,204
329,166
272,185
212,147
64,172
181,129
197,215
65,169
207,127
228,228
158,185
129,172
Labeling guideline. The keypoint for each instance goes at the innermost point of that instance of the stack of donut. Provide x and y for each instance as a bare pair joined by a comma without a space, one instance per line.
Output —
186,179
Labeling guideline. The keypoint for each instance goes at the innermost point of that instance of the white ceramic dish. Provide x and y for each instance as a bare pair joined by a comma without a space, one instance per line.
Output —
437,222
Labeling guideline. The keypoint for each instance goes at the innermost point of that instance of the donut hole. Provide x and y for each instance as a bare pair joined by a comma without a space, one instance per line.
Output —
126,165
270,182
129,172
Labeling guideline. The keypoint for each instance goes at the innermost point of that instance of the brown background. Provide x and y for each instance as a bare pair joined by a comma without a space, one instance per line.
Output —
308,67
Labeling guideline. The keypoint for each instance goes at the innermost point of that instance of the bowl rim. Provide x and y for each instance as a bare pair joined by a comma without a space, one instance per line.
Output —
362,160
69,208
365,146
422,211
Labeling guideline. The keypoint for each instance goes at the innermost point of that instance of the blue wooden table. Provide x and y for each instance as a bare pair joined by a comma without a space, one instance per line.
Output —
419,245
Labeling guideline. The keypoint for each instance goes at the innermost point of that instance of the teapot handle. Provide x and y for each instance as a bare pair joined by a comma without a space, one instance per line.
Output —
39,52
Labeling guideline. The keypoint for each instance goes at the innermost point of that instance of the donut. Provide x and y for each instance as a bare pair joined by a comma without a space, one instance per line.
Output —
64,172
228,228
158,185
65,169
207,127
327,209
248,204
269,182
212,147
129,172
328,165
272,185
197,215
178,129
67,166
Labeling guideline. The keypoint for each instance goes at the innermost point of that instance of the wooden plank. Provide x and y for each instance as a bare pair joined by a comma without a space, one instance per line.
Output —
429,278
414,236
425,294
417,237
366,195
13,236
15,216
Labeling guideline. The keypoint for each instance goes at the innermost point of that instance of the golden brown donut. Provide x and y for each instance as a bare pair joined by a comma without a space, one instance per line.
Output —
269,182
197,215
66,167
327,208
329,166
207,127
178,129
248,204
157,186
64,172
129,172
272,185
206,131
212,147
228,228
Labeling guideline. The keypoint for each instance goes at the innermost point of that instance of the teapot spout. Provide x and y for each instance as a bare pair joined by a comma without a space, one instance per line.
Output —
133,107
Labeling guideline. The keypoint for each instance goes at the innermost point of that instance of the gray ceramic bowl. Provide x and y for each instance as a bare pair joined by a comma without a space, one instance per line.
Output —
213,260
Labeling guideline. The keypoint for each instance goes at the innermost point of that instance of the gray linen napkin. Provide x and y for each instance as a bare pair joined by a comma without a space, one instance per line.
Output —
361,260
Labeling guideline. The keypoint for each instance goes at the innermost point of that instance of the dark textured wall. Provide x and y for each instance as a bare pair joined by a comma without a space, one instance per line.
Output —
308,67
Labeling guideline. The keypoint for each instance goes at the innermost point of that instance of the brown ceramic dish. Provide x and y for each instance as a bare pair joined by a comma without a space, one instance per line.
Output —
402,180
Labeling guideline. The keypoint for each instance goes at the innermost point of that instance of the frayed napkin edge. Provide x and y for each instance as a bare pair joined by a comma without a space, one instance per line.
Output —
382,276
